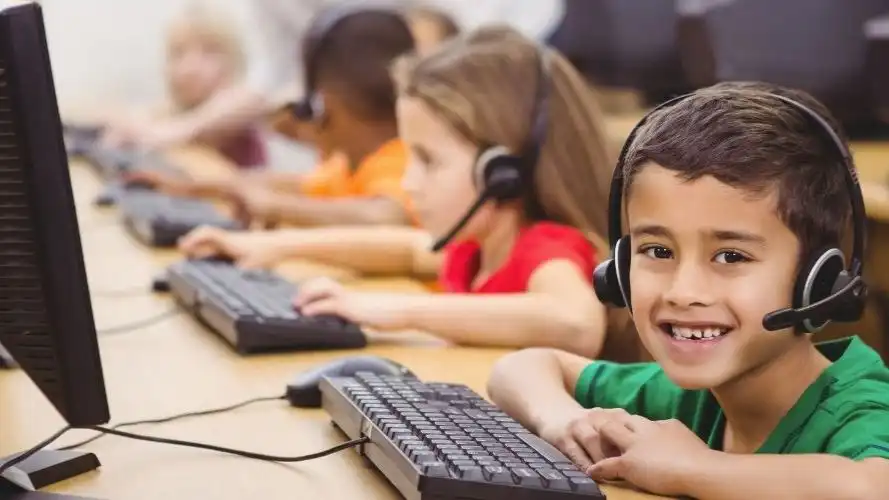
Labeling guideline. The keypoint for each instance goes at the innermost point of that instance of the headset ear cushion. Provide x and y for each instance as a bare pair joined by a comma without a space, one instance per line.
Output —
302,110
817,280
497,173
622,269
608,281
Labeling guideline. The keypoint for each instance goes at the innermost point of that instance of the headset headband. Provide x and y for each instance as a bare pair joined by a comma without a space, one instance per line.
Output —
859,215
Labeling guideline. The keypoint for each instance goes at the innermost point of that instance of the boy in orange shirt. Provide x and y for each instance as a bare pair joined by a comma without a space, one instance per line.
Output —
350,107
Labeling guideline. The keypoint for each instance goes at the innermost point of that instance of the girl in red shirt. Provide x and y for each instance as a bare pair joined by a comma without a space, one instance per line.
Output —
519,273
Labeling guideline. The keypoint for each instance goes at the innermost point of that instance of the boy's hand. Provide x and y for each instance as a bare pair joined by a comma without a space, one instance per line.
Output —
324,296
654,455
254,203
577,435
248,250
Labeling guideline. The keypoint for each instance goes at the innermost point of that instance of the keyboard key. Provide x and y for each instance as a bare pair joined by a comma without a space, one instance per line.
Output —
526,477
497,474
554,479
545,449
470,472
583,485
436,469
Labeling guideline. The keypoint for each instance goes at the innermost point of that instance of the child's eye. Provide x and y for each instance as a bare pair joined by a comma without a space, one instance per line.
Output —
730,257
657,252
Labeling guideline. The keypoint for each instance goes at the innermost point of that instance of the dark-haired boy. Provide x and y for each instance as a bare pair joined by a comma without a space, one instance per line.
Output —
360,182
726,192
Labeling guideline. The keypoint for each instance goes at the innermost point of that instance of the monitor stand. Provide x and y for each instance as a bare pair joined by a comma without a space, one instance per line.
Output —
42,469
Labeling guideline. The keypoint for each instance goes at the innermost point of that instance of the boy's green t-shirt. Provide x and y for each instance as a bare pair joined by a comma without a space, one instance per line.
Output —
845,412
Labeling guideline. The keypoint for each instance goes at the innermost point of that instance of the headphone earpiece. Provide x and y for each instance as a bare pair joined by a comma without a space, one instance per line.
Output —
310,108
498,174
611,278
816,281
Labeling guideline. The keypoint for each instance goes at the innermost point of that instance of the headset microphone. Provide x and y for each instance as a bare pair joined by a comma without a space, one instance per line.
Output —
501,186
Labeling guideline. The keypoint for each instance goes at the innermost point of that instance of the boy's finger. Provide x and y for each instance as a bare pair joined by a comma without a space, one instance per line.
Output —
617,433
576,453
610,469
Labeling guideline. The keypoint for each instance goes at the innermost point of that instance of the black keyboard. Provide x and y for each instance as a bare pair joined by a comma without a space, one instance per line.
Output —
159,220
444,441
253,310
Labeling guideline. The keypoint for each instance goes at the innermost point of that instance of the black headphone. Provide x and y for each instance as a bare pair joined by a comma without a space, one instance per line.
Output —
501,175
311,106
825,290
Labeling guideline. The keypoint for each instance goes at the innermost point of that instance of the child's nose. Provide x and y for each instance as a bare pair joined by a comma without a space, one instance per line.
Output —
689,287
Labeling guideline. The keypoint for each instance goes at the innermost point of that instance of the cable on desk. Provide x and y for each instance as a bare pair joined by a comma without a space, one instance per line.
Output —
39,446
140,324
188,444
171,418
232,451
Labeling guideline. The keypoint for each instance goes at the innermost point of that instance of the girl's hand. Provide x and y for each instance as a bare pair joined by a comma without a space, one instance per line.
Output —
381,311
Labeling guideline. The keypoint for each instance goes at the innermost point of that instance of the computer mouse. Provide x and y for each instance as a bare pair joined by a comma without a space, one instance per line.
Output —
107,198
303,391
160,283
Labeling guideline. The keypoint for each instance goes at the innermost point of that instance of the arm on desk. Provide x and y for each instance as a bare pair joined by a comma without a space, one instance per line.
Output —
395,250
558,310
310,212
727,476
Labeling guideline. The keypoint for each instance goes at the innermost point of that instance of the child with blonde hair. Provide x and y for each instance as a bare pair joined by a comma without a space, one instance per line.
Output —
204,53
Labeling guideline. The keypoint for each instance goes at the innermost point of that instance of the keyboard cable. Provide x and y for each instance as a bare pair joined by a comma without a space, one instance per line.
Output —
140,324
179,416
188,444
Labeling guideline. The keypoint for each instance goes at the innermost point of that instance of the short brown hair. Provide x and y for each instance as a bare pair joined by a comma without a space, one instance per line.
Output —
355,55
744,136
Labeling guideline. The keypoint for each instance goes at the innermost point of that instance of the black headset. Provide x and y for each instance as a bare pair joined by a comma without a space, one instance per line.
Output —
824,291
502,175
311,106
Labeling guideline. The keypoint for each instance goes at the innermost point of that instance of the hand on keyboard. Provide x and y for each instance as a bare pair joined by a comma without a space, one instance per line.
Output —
382,311
252,250
653,455
577,435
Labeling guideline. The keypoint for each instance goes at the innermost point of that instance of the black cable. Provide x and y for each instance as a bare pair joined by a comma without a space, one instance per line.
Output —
142,323
39,446
163,420
188,444
232,451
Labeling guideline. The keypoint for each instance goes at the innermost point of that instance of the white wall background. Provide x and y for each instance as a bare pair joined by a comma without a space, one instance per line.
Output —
111,51
107,54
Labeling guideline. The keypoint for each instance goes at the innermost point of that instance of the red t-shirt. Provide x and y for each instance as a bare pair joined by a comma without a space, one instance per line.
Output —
536,245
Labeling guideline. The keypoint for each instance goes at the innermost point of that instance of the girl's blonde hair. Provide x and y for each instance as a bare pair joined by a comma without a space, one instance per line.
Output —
218,26
484,85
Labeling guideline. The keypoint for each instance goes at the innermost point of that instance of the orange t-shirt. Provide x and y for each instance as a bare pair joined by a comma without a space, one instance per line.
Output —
379,174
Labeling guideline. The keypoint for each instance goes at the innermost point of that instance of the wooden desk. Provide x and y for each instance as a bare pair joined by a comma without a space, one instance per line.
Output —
177,366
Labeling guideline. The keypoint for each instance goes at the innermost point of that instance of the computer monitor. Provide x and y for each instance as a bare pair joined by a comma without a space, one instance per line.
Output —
46,319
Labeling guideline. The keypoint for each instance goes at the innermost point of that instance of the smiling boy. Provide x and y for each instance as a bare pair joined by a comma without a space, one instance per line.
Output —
728,193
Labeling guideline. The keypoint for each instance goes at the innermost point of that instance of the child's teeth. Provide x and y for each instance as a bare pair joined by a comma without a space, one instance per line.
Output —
696,333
